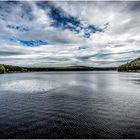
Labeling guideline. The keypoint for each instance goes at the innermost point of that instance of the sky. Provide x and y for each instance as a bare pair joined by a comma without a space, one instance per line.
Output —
65,33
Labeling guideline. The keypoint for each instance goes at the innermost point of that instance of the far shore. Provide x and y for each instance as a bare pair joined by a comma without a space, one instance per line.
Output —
13,69
18,69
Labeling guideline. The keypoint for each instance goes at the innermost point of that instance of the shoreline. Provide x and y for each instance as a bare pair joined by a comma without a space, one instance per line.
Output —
14,69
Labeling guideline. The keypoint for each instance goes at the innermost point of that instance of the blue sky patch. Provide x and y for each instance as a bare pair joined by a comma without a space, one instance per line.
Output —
33,43
63,20
102,55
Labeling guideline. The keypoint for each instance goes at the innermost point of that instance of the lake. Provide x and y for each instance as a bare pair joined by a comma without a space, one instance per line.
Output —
93,104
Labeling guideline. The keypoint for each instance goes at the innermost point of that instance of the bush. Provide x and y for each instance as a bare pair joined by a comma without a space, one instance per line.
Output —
2,69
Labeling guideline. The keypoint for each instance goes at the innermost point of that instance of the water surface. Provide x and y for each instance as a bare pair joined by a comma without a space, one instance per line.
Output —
70,105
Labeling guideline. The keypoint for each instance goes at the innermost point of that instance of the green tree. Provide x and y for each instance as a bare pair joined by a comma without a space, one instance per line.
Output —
2,69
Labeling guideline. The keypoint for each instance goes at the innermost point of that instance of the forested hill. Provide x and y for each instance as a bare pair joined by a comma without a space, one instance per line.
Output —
9,68
133,66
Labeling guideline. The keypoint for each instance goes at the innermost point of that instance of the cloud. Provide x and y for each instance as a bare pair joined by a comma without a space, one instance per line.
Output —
101,33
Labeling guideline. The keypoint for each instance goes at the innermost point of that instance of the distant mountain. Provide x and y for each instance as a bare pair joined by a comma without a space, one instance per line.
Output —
133,66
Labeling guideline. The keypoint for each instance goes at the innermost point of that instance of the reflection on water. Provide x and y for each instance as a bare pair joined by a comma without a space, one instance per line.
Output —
70,105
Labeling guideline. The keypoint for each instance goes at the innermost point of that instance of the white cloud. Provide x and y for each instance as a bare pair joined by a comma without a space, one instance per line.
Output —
120,41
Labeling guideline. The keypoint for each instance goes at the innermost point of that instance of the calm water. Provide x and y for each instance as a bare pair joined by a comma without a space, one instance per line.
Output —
70,105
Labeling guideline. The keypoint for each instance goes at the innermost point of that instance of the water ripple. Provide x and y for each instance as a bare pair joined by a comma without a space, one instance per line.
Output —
69,109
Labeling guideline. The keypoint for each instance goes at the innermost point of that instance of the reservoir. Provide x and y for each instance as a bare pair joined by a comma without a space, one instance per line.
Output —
93,104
